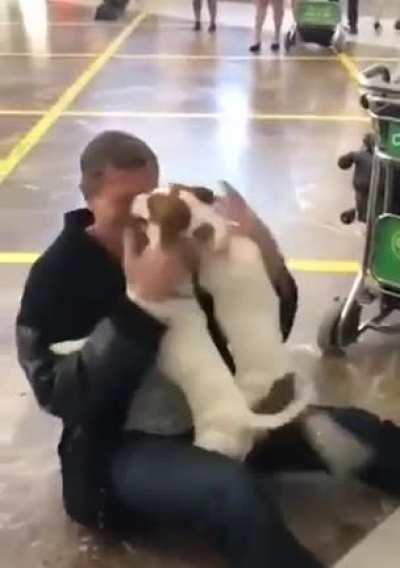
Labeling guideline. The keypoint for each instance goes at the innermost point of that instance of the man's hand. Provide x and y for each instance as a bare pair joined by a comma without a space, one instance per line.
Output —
155,275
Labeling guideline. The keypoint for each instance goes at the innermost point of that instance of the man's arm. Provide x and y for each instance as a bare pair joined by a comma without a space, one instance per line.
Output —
110,366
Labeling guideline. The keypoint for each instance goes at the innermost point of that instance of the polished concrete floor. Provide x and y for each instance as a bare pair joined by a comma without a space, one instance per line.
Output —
273,126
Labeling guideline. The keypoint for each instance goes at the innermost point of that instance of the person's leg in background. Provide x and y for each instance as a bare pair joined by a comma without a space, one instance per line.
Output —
197,6
261,14
352,15
110,10
167,482
212,9
376,441
278,10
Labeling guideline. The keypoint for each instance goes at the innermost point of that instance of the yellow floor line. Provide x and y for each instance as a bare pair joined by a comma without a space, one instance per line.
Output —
33,137
18,257
191,57
21,112
220,57
93,23
324,266
372,58
47,55
350,66
215,116
317,266
191,115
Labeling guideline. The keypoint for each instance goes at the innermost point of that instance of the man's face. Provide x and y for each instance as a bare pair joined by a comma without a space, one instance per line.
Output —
111,205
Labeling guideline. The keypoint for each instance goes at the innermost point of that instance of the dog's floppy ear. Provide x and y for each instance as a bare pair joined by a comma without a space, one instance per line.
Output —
171,214
203,194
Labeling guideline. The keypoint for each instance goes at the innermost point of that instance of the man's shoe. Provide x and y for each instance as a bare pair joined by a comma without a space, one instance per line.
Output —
255,48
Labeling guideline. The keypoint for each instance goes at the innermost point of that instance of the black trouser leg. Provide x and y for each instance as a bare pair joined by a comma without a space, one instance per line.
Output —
117,3
110,10
352,14
289,448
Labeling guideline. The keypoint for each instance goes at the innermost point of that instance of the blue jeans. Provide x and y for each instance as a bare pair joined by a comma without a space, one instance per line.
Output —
162,481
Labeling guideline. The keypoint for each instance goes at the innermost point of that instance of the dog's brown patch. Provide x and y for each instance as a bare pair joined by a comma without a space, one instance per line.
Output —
171,214
204,232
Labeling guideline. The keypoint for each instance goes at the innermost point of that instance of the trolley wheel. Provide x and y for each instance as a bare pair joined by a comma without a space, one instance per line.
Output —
364,102
348,217
327,339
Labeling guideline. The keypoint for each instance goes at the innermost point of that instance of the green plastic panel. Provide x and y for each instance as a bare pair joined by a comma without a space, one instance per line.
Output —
318,13
385,266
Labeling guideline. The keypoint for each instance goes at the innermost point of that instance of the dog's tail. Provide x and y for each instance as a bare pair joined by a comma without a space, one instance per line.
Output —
304,396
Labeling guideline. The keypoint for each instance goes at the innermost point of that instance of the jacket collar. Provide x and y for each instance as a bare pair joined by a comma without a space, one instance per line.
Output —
78,219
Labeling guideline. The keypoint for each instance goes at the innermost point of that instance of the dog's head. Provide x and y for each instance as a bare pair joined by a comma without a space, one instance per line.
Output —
179,211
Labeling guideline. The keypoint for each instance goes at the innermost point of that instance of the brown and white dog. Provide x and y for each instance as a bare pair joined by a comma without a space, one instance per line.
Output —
246,305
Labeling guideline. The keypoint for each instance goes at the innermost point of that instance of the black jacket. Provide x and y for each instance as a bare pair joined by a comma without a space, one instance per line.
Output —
77,290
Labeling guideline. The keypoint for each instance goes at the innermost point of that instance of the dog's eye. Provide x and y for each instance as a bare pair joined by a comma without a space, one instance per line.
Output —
141,222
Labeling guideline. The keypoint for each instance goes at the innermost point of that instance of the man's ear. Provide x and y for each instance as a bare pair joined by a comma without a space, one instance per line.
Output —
171,214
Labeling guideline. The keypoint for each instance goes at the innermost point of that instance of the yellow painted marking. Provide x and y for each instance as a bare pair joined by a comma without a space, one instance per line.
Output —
33,137
350,66
215,116
47,55
317,266
192,115
21,112
216,57
372,58
18,257
191,57
322,266
88,24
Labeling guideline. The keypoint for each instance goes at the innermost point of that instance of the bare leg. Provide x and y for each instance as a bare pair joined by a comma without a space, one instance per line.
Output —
212,8
278,10
197,5
261,14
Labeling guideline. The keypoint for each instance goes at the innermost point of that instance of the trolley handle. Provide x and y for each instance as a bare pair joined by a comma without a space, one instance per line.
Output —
377,81
377,71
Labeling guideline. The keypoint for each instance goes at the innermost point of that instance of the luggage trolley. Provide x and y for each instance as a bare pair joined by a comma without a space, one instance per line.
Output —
378,280
319,22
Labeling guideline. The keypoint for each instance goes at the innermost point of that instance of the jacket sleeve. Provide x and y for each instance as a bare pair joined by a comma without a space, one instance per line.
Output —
83,384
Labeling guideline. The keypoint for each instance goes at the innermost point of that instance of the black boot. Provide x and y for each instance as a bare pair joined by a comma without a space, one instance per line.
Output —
352,15
110,10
